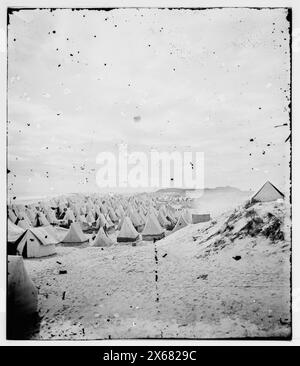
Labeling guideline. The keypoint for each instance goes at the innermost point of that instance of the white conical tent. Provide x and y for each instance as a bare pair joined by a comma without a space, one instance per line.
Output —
22,215
127,232
142,217
69,215
268,192
43,220
50,215
136,221
75,234
102,240
108,221
90,218
180,223
101,221
152,229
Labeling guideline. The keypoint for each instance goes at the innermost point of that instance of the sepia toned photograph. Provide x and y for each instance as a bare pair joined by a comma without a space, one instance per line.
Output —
148,187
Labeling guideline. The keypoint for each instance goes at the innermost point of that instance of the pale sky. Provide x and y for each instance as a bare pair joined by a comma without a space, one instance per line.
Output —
82,82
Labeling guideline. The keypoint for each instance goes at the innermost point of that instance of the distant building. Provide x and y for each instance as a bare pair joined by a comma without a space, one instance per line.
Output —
197,218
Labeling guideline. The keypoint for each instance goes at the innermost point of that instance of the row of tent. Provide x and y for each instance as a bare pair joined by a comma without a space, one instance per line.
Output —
31,234
41,241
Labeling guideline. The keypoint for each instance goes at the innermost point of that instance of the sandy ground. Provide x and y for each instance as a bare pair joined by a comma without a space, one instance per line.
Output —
175,288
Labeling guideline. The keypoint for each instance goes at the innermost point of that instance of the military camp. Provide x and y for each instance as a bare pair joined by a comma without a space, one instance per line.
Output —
147,194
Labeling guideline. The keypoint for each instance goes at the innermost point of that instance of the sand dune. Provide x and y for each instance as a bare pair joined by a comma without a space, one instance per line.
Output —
192,284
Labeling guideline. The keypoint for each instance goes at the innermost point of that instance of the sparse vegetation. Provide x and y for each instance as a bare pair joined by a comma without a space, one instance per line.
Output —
273,230
243,222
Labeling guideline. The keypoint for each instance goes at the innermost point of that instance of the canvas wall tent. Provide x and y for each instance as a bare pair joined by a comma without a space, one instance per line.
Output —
14,232
268,192
75,235
152,229
34,243
102,240
181,223
197,218
22,298
127,232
